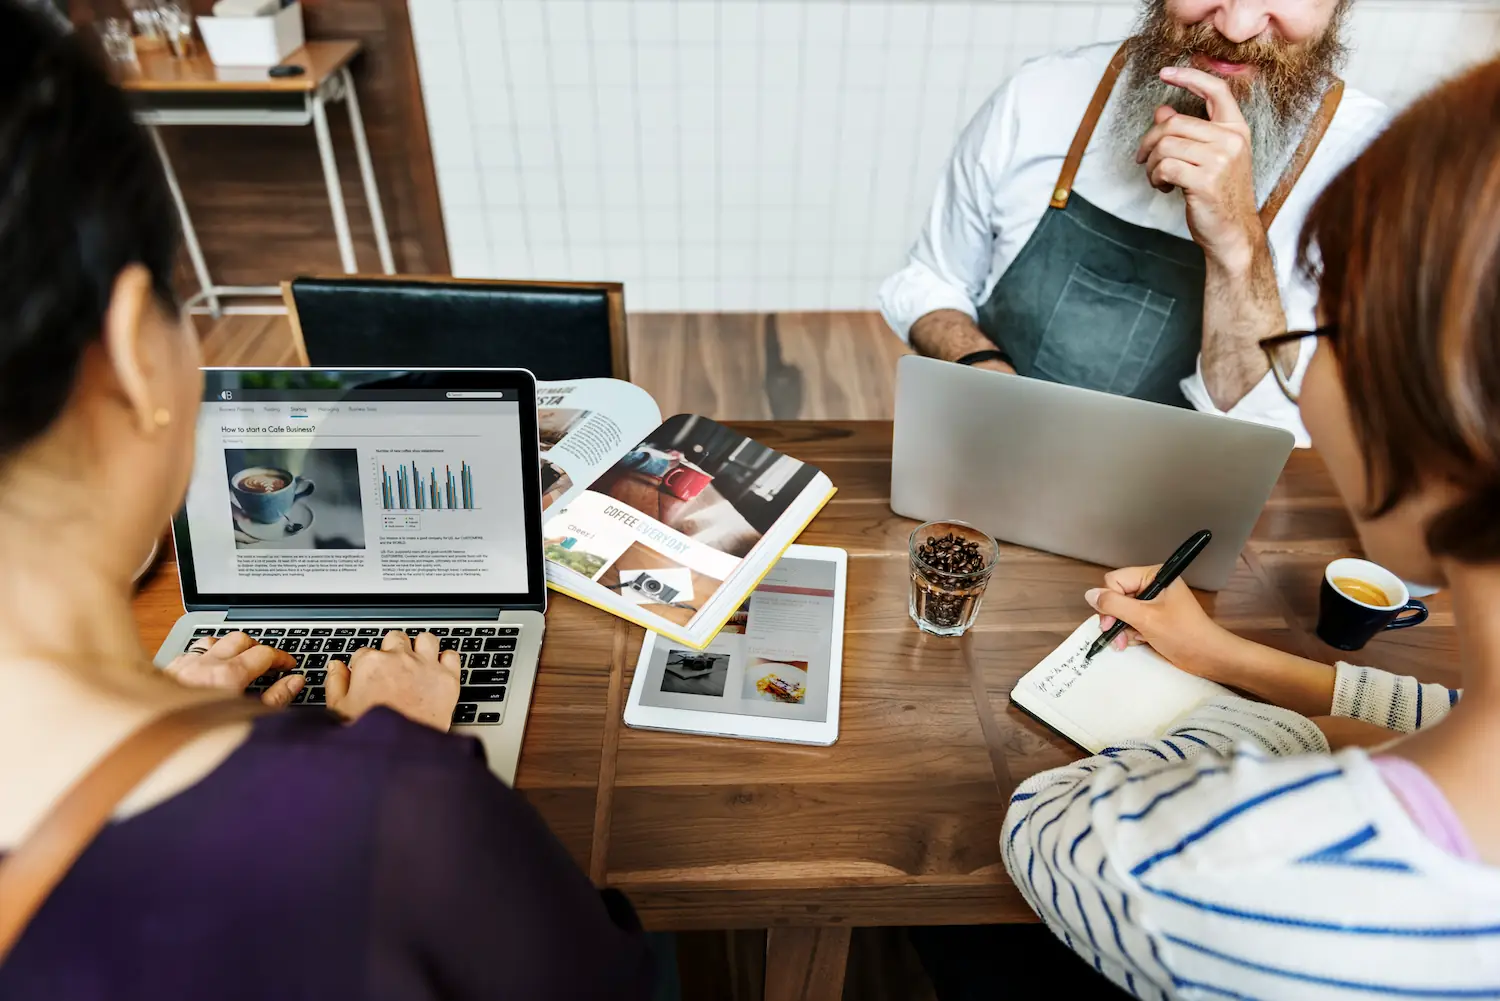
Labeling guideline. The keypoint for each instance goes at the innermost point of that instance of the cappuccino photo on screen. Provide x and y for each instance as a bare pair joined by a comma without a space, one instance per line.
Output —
295,498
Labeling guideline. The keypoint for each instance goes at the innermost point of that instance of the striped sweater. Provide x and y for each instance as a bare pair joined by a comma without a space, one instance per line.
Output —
1237,858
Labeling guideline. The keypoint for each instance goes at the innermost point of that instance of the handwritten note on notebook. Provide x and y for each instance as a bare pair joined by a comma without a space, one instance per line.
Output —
1130,694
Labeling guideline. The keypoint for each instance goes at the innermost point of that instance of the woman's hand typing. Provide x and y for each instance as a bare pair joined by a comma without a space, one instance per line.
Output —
416,679
232,662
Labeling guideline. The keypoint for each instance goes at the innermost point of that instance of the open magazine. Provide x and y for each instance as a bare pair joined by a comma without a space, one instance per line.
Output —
669,524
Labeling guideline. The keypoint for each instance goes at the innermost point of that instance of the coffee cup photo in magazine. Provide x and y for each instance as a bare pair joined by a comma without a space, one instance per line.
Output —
295,498
710,483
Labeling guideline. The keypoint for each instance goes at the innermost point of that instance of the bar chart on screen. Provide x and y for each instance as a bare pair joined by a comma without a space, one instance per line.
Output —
417,485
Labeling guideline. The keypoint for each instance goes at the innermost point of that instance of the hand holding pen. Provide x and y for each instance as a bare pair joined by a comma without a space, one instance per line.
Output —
1129,595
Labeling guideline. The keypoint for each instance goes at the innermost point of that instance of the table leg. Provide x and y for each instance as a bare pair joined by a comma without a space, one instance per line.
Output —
806,964
189,235
367,172
335,190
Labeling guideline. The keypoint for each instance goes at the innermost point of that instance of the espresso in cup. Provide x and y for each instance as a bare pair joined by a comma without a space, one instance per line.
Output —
1360,599
266,494
1362,591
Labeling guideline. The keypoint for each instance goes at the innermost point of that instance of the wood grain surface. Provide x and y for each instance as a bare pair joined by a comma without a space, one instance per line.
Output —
898,822
157,71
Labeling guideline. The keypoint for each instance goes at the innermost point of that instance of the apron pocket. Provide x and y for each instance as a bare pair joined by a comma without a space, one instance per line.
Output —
1102,333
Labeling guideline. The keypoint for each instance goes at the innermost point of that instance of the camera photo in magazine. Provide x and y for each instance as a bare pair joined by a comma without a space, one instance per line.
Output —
663,586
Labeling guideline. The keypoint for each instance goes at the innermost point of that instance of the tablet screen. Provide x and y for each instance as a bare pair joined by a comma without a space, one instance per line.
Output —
772,659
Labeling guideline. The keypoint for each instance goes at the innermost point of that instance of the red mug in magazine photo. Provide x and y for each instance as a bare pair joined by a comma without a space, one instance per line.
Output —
685,481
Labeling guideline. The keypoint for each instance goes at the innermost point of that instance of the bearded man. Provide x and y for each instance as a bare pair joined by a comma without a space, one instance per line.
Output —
1139,237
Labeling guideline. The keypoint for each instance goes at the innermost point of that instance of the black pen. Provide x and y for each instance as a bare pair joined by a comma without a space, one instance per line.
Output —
1169,572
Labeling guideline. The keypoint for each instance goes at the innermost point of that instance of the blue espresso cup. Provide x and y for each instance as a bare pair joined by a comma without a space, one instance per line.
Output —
266,494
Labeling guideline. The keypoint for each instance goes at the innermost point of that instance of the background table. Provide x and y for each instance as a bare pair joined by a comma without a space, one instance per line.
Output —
898,823
194,91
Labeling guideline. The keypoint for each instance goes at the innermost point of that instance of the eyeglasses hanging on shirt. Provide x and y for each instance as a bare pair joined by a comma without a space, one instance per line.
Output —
1284,351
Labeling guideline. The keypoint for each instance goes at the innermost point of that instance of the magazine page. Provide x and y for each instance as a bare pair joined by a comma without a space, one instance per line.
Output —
584,426
674,518
771,659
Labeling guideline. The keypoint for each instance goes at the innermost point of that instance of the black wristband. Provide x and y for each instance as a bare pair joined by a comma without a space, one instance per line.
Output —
993,354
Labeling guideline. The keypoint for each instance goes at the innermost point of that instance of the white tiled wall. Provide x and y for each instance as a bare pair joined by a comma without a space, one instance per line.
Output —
761,154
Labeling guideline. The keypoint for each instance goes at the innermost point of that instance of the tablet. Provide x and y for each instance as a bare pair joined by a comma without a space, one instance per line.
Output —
772,673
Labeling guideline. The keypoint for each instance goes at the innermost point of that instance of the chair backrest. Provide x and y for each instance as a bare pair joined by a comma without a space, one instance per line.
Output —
558,330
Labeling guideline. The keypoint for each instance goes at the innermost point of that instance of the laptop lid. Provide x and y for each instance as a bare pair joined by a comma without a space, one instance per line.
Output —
1090,475
363,490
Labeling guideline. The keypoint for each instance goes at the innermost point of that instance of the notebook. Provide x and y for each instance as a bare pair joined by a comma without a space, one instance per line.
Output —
1130,694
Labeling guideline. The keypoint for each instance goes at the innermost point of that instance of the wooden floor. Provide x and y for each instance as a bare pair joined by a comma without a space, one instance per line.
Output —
728,366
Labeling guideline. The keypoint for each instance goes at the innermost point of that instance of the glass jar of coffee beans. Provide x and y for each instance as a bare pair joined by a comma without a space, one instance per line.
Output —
951,563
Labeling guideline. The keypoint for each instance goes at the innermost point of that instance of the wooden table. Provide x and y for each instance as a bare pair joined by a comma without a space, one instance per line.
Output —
898,823
194,91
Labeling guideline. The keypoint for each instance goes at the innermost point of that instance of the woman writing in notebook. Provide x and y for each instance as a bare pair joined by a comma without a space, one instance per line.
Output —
1340,838
296,855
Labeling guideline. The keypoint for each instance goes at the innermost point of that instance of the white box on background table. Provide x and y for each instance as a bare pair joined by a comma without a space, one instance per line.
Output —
253,41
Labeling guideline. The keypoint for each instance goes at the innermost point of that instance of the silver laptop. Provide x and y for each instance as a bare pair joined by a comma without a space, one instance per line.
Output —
328,507
1101,478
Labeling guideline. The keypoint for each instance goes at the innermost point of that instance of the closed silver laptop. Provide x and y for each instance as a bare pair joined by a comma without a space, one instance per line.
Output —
328,508
1090,475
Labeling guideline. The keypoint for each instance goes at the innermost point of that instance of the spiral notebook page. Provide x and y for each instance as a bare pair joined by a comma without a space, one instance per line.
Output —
1129,694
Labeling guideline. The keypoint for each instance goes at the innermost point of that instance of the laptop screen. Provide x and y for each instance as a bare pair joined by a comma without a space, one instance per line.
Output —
360,487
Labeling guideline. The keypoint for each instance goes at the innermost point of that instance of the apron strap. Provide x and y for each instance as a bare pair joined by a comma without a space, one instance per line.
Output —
1310,142
1064,189
1289,177
31,870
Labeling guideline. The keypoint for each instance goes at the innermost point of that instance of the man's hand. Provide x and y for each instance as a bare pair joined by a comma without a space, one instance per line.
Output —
233,662
1213,165
950,334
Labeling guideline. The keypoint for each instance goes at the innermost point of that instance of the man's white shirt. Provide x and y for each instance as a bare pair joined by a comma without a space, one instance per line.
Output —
1001,178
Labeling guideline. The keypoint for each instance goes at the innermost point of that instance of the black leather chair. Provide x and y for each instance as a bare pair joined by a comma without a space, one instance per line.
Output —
558,330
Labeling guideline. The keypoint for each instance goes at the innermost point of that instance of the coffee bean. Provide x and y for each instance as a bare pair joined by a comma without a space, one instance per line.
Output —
951,554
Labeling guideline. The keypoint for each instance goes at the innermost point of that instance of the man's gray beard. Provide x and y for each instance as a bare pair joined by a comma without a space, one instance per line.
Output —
1271,136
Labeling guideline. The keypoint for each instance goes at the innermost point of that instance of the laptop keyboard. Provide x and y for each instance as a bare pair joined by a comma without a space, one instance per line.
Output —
485,652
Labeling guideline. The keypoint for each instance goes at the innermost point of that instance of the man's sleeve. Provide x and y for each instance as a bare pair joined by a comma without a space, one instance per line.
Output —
1264,404
950,262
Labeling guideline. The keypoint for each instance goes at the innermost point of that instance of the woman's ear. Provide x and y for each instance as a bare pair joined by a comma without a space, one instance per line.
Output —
127,324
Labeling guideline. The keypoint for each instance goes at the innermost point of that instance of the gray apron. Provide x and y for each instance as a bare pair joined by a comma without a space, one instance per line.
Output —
1098,302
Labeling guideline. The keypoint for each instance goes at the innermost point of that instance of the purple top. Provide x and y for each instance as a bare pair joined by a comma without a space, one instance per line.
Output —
378,860
1428,808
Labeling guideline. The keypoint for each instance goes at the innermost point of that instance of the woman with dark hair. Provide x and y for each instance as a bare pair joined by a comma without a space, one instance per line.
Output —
293,855
1259,851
